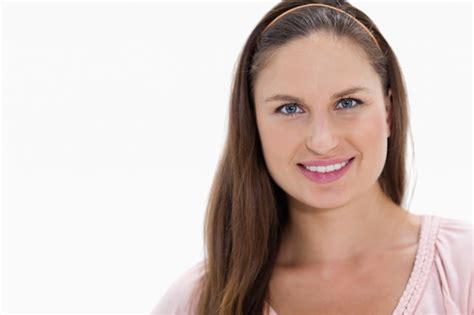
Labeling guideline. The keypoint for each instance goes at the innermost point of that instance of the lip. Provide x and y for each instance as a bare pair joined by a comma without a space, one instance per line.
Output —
325,178
325,162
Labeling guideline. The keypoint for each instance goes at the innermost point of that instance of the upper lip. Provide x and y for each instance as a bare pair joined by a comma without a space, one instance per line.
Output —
325,162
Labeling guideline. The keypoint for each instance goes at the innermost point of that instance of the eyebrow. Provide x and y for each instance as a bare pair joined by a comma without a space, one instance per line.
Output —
283,97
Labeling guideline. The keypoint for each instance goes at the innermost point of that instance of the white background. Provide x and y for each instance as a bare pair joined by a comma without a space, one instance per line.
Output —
114,116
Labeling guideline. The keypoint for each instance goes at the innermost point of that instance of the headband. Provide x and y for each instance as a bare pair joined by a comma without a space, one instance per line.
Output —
327,6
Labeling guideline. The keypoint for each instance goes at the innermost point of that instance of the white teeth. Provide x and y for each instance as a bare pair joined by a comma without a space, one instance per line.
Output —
326,169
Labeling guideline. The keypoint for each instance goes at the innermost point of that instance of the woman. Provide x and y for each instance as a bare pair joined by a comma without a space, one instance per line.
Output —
305,214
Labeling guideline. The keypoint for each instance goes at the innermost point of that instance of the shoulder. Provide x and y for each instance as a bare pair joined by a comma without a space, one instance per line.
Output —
454,236
181,296
454,250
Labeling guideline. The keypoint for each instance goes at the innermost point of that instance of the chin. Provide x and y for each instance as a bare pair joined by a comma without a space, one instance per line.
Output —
326,201
327,205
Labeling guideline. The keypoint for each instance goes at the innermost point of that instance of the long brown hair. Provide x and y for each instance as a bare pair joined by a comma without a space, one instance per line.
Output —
246,208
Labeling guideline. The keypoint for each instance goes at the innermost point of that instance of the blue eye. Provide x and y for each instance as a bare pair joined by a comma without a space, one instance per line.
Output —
291,106
347,103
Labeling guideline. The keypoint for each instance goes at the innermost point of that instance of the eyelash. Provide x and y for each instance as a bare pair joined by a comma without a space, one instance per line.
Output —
359,102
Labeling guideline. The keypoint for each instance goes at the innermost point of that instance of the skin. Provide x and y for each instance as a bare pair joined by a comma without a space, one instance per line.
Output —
336,231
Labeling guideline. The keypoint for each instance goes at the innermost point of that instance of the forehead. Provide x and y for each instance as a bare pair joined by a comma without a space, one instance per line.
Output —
319,62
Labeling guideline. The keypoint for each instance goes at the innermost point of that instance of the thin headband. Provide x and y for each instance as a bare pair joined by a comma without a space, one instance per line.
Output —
327,6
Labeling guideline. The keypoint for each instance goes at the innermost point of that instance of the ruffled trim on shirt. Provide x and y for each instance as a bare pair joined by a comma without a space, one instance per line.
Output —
423,263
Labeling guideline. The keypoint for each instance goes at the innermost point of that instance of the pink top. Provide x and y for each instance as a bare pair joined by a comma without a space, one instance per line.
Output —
441,281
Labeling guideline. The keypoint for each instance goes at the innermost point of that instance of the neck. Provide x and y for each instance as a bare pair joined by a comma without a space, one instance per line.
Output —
327,236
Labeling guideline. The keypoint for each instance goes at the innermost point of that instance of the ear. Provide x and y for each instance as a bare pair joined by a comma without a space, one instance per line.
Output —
388,110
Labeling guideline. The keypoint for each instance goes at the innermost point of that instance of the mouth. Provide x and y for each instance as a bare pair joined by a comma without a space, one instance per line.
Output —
314,163
323,175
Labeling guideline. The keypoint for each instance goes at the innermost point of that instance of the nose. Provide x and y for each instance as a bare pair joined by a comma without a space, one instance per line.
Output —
321,137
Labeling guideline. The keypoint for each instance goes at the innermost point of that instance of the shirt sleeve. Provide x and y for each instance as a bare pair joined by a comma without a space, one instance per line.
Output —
455,265
181,296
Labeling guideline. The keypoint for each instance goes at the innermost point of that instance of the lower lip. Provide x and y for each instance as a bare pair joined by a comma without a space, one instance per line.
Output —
324,178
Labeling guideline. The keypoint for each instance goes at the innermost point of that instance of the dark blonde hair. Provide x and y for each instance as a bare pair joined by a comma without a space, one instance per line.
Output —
247,210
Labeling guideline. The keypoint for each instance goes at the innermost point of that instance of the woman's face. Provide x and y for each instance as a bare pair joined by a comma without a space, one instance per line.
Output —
311,71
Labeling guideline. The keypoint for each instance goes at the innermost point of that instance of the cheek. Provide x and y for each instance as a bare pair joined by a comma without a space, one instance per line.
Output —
278,143
371,128
378,127
372,138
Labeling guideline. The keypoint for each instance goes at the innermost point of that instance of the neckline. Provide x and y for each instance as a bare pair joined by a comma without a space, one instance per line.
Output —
419,273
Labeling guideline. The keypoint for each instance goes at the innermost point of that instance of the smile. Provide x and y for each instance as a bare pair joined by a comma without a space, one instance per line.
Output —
326,174
327,168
